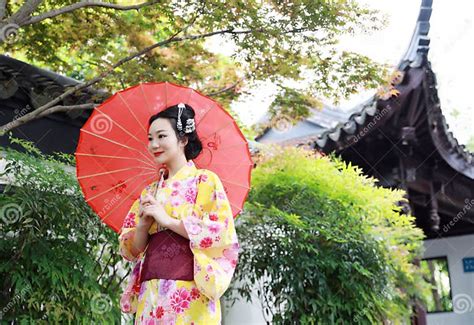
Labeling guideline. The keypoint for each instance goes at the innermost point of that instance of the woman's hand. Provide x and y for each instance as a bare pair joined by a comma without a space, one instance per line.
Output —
144,221
154,210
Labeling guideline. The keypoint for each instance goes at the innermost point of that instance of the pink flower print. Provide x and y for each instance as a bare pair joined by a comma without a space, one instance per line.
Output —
206,242
195,294
209,268
165,286
213,216
221,195
206,277
129,220
233,263
175,184
212,306
174,193
159,312
214,228
190,195
194,229
226,222
180,300
225,264
218,238
203,178
176,202
230,253
142,290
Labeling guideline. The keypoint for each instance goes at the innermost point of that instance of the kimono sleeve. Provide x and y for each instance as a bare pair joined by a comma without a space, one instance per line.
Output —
213,240
127,232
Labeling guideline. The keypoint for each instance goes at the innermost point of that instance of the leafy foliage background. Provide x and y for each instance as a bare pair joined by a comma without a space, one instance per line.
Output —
322,244
60,263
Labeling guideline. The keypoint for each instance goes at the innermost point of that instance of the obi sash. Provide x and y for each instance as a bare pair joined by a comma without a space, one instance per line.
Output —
168,256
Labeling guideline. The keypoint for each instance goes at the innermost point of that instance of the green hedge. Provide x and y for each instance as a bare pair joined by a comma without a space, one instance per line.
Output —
322,244
60,264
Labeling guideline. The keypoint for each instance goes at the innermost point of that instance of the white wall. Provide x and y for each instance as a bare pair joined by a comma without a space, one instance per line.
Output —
243,313
462,284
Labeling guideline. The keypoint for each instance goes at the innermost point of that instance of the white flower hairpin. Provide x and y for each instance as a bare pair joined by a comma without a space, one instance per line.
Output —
190,125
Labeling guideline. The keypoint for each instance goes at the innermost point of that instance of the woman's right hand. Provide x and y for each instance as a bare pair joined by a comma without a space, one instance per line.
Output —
144,221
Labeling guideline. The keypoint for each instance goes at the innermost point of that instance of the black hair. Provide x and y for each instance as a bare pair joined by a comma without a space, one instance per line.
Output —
194,146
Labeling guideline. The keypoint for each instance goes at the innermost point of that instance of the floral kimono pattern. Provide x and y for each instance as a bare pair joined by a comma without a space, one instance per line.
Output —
197,197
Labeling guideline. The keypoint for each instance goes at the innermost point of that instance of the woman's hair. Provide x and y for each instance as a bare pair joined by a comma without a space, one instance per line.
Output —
194,146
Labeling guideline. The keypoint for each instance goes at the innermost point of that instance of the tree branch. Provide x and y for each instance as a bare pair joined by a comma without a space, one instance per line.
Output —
117,286
223,90
3,8
173,39
85,4
24,12
61,108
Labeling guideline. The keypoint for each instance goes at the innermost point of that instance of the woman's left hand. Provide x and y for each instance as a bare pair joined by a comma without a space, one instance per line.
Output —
154,209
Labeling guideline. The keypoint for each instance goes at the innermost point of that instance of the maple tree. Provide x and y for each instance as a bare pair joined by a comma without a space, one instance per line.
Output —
113,45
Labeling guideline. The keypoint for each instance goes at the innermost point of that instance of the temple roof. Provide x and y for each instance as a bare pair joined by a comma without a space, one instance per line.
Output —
340,127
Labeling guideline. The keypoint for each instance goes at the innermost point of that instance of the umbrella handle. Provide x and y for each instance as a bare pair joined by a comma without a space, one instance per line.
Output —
160,182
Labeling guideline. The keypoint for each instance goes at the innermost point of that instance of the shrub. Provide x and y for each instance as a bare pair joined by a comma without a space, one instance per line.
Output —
60,263
322,244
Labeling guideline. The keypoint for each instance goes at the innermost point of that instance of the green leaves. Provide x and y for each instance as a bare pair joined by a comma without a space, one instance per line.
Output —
283,42
51,244
321,230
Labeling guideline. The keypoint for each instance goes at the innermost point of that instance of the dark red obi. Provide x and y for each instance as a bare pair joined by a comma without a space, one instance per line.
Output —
168,256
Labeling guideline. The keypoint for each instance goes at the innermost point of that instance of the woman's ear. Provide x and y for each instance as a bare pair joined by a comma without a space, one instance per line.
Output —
184,141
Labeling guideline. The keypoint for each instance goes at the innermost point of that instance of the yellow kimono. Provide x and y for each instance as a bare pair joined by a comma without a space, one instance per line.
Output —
197,197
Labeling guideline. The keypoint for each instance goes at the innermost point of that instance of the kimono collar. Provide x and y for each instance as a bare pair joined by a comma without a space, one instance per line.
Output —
184,171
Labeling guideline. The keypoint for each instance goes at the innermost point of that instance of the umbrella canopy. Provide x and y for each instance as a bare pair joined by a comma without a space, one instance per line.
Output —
113,164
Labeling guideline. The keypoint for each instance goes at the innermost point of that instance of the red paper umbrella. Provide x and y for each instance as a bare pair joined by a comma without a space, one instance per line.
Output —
113,164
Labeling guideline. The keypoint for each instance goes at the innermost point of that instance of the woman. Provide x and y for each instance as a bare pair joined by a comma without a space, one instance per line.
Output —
183,241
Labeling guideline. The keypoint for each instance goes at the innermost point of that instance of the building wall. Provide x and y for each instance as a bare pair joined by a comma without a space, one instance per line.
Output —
242,312
462,283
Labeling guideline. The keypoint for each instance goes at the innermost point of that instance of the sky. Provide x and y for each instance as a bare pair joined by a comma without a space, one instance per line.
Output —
450,54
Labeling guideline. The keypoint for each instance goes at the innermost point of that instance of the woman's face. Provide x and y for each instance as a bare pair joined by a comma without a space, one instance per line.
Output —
163,144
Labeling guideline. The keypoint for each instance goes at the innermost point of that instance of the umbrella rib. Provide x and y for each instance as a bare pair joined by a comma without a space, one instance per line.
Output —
239,164
235,145
122,128
236,184
116,157
146,100
215,131
118,185
121,201
114,142
233,205
112,172
202,118
131,111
